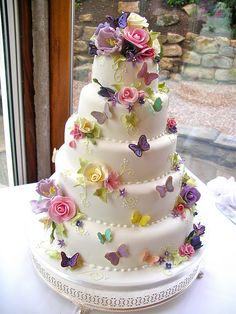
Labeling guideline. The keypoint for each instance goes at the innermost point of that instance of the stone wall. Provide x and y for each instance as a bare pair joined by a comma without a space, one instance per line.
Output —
191,57
198,58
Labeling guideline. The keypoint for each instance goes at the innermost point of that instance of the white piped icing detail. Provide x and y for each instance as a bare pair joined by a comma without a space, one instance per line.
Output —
151,180
127,226
128,269
107,139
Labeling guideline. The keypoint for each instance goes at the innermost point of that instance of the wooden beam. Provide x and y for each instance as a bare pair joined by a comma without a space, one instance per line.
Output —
60,51
25,21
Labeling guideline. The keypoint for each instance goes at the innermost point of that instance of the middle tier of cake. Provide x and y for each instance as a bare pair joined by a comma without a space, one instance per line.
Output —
141,196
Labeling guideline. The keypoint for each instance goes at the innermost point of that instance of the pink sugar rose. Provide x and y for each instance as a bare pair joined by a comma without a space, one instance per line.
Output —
186,250
61,209
145,53
113,181
127,95
137,36
171,123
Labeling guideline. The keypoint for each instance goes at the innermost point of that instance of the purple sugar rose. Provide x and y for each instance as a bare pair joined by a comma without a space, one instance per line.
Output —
190,195
108,41
40,206
47,188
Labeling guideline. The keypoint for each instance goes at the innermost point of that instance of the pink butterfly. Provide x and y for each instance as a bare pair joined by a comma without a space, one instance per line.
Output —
114,257
101,117
167,187
150,259
148,77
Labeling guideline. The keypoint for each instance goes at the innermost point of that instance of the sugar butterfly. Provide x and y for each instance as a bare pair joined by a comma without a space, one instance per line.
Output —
167,187
107,236
114,257
150,259
101,117
70,261
148,77
141,220
141,147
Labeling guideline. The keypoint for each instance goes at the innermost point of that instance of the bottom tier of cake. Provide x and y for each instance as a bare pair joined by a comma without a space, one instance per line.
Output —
156,239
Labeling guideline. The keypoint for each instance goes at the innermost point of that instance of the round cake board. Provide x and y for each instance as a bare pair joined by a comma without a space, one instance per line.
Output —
100,289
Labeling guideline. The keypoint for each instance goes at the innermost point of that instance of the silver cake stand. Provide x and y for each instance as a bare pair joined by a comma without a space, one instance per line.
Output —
104,290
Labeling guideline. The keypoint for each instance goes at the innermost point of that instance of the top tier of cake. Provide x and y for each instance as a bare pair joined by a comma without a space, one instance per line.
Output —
110,73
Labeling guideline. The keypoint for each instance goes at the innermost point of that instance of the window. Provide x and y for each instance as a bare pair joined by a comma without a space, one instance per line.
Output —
198,64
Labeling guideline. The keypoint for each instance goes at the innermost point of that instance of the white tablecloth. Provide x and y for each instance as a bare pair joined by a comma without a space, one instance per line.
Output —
23,292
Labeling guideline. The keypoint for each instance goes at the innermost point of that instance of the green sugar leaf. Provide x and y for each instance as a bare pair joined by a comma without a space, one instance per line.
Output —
61,230
102,194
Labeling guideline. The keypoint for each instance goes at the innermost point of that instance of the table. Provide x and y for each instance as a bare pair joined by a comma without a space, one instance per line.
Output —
23,292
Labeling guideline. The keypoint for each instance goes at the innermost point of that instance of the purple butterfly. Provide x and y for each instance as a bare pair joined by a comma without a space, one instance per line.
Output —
141,147
101,117
121,21
148,77
69,261
167,187
114,257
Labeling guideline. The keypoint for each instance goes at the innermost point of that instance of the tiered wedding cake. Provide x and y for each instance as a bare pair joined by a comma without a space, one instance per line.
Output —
120,200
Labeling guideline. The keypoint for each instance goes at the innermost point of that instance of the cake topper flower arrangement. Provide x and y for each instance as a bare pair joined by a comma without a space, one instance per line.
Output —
128,36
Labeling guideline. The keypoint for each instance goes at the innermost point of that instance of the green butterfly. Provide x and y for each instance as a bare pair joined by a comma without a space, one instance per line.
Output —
107,236
157,106
163,88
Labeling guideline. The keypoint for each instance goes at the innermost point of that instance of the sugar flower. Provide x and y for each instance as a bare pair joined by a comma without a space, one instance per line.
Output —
40,206
190,195
76,132
86,126
127,95
108,40
137,36
47,188
186,250
171,125
61,209
113,181
94,172
146,52
199,229
135,20
196,242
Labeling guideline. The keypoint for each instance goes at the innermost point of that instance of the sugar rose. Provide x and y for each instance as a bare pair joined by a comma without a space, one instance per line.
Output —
186,250
86,126
95,172
137,36
128,95
61,209
135,20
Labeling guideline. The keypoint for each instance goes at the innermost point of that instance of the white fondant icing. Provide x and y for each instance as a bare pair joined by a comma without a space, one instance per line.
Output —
167,235
153,163
106,71
151,124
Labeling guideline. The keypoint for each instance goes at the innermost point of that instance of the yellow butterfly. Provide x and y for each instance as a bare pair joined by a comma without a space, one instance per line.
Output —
138,219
